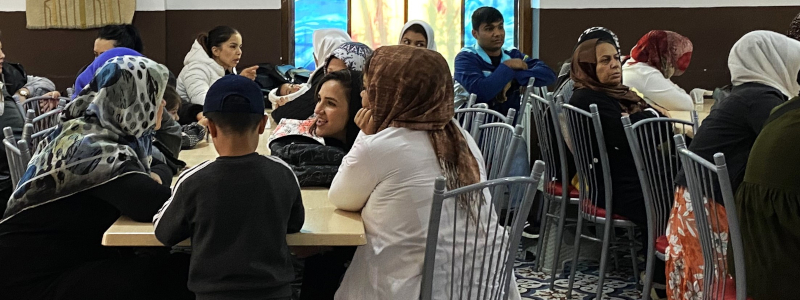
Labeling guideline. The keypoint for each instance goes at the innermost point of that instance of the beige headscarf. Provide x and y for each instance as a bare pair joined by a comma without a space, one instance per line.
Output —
768,58
412,87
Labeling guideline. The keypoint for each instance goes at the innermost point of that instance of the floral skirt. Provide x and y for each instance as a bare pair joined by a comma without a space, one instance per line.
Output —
684,265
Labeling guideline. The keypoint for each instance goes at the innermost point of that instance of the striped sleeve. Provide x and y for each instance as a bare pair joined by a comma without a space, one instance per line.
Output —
171,225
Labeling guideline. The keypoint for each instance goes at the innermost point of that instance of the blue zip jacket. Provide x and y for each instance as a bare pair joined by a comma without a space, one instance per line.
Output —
474,71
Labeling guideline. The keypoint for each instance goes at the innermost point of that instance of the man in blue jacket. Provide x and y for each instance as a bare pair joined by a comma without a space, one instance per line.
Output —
495,74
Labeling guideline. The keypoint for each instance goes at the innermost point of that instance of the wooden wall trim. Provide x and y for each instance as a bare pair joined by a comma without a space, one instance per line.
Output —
287,38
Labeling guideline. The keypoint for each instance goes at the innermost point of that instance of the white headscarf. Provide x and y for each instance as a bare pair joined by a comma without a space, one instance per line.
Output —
326,40
766,57
428,33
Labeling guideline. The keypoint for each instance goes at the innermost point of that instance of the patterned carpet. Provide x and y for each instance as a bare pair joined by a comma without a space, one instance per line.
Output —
619,284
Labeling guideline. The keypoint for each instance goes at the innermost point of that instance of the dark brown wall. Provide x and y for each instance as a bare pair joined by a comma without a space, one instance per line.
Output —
712,30
260,29
59,54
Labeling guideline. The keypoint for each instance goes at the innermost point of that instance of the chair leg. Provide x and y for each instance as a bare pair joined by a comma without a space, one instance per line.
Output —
577,249
614,252
634,257
648,273
542,231
604,259
562,216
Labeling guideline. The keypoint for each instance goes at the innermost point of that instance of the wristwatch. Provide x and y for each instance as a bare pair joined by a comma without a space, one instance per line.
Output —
23,92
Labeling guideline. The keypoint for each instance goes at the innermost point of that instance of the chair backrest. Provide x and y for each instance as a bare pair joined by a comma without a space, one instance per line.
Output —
38,103
498,142
591,160
657,164
460,101
38,128
472,118
701,176
480,253
551,143
17,154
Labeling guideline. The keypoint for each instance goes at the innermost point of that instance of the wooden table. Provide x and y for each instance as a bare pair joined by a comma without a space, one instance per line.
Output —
687,115
324,224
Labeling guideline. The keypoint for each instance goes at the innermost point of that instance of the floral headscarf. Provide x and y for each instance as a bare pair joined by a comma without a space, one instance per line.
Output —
411,87
584,74
664,50
106,133
353,54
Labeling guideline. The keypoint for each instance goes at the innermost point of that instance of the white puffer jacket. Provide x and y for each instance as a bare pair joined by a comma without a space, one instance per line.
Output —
198,74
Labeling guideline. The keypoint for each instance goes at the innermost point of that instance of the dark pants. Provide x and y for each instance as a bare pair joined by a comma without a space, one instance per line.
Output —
323,273
161,277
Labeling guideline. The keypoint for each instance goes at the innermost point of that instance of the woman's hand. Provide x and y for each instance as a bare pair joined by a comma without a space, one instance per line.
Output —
53,95
249,72
364,121
281,102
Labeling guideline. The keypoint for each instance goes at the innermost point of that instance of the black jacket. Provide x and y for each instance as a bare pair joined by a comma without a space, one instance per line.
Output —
313,164
732,128
237,211
14,78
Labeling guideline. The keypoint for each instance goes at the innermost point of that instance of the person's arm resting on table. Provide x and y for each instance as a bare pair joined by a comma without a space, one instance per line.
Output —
171,222
135,195
355,180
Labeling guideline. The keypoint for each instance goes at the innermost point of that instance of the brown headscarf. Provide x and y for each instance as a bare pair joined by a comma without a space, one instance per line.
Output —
584,74
794,28
412,87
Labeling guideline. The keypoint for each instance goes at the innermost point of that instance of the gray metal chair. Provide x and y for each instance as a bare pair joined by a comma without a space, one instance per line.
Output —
555,188
34,104
594,175
482,272
472,118
657,164
498,142
36,129
17,154
701,178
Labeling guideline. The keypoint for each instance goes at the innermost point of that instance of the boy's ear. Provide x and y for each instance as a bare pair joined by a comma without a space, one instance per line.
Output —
212,128
263,124
475,34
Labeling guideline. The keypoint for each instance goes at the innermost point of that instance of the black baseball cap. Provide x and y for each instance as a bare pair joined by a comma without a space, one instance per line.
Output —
234,85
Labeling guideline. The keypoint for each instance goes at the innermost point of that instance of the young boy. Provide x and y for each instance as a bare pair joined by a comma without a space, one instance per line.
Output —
238,208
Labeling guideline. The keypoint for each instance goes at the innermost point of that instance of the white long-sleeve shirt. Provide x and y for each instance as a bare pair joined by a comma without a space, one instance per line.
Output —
656,89
389,176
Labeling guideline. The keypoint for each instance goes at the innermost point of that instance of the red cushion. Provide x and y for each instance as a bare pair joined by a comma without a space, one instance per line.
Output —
555,187
589,208
661,244
730,290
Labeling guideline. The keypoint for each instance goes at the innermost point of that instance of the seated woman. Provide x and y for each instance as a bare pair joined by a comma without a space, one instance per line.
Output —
598,80
764,67
93,170
657,57
417,33
213,55
350,55
315,147
409,139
